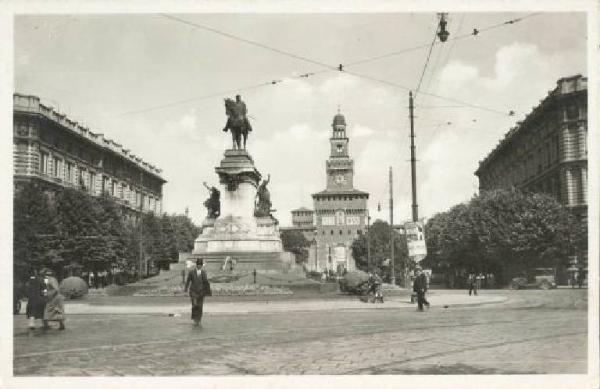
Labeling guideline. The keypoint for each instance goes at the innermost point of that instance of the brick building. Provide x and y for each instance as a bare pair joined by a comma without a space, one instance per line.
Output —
547,151
340,211
60,153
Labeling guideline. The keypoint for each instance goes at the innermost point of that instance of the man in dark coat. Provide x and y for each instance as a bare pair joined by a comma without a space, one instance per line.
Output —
197,283
420,287
35,298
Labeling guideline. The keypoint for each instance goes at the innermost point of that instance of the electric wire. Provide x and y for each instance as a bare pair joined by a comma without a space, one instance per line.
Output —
475,32
248,41
328,68
426,62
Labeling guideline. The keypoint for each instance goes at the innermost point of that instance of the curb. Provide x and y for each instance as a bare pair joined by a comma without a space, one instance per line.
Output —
235,308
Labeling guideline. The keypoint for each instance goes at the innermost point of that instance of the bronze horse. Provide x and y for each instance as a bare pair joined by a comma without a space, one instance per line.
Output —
237,123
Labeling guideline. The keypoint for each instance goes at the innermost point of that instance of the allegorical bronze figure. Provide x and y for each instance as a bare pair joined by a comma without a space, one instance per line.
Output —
213,203
263,204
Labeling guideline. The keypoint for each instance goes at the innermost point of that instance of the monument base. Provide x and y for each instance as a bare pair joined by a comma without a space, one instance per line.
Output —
250,242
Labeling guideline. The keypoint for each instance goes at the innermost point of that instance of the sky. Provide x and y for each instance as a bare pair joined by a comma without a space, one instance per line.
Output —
111,72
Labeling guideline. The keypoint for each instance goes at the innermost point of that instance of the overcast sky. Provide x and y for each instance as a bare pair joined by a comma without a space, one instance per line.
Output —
98,69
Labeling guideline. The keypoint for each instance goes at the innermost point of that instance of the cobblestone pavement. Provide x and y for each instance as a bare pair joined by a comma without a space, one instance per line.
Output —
532,332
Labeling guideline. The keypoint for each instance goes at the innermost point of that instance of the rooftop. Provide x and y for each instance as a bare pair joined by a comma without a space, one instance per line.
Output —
564,86
32,104
340,192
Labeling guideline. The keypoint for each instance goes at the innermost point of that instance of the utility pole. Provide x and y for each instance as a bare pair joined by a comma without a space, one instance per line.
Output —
141,225
393,277
368,243
413,161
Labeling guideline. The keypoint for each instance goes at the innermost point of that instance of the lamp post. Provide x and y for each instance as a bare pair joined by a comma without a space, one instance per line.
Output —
314,241
442,33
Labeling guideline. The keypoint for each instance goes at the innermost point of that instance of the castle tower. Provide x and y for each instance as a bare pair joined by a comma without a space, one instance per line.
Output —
340,210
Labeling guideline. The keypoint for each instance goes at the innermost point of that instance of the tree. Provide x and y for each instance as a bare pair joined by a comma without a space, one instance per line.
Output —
168,249
295,242
380,247
110,230
185,232
34,230
504,231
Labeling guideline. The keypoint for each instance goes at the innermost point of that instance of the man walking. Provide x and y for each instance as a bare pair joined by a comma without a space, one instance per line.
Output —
420,287
197,283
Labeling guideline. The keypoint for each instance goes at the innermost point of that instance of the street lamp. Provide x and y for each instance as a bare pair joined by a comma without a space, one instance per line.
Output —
443,34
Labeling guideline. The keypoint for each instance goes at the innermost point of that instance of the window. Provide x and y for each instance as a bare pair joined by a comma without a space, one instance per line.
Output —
69,177
44,163
56,167
82,177
92,182
76,172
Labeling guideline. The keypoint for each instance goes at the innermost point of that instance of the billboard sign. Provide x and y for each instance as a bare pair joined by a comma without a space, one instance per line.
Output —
415,238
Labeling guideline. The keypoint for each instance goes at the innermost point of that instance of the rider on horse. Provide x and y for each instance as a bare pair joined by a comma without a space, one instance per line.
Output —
237,121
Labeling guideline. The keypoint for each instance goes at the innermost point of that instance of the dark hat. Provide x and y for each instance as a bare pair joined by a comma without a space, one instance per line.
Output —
199,261
237,96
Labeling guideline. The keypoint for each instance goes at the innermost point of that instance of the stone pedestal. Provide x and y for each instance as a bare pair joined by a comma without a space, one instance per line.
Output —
253,242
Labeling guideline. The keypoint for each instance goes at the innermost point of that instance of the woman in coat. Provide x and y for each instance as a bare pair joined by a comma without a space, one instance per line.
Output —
35,298
55,310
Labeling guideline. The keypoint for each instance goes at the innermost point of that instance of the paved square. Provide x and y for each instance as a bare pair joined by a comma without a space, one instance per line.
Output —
532,332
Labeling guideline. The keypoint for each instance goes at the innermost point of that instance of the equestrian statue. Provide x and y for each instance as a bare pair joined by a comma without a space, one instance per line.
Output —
237,122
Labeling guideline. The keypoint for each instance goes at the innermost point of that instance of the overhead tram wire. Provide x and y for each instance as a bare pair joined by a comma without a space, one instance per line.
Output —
210,96
328,68
426,63
441,54
462,103
475,32
248,41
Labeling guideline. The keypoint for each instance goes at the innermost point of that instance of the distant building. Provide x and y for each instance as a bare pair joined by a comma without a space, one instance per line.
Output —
58,152
340,211
547,151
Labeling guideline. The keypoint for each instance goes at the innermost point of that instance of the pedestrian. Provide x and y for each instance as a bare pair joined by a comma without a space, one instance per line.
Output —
199,287
54,309
420,287
35,298
254,274
472,281
91,279
580,279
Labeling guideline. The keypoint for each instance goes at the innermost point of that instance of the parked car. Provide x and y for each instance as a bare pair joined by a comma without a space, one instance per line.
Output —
541,277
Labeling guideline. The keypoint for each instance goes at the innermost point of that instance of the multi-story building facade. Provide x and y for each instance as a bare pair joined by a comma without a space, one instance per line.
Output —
54,150
547,151
340,211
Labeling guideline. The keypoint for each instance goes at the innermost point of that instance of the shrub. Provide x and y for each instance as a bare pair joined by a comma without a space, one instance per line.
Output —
73,287
220,290
352,282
